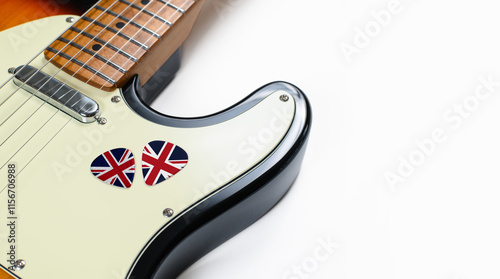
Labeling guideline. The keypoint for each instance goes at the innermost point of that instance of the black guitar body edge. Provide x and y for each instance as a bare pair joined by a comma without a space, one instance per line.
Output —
208,224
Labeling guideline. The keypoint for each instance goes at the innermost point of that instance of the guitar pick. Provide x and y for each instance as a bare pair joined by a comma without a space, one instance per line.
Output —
115,167
161,160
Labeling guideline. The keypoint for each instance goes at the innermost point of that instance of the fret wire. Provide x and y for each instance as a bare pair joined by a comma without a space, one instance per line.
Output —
69,58
173,6
54,115
169,4
98,56
38,70
130,40
116,33
80,63
128,20
151,36
115,53
94,38
147,12
102,42
107,27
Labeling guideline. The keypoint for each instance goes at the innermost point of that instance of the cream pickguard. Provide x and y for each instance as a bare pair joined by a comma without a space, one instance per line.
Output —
69,224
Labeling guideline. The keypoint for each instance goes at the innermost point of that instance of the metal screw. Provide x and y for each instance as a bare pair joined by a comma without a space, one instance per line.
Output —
101,120
19,264
116,99
12,70
168,212
284,98
70,19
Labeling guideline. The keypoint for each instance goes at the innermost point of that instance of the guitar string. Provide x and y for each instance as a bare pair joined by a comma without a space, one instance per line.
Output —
11,134
87,82
49,60
126,9
171,16
77,90
32,59
69,120
77,36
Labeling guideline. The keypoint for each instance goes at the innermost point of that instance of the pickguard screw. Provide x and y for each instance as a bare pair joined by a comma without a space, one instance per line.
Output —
284,98
11,70
116,99
70,19
19,264
101,120
168,212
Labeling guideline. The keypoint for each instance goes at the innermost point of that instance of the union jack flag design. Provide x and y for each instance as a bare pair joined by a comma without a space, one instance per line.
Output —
161,160
115,167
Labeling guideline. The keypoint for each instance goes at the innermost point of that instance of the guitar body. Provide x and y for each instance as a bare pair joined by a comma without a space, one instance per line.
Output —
66,222
14,13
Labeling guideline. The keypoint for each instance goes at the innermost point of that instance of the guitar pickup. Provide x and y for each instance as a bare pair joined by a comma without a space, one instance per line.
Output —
56,93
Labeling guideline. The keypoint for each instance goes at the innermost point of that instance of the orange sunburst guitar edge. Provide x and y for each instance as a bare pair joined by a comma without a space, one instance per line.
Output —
5,274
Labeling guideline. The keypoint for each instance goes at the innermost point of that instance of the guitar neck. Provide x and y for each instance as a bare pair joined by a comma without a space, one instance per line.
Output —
117,39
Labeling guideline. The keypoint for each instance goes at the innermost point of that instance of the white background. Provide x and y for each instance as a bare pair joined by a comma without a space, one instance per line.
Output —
370,108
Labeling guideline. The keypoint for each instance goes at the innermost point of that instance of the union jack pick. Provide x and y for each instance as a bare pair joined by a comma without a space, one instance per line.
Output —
115,167
161,160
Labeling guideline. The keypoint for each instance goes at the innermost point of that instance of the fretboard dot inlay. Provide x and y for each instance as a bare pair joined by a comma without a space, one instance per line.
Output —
104,46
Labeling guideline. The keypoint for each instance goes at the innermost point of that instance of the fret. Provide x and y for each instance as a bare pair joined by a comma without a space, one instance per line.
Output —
104,43
142,16
94,54
107,36
172,6
81,64
116,38
146,12
128,21
121,34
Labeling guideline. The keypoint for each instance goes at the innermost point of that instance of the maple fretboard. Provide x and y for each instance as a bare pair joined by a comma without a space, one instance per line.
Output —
106,45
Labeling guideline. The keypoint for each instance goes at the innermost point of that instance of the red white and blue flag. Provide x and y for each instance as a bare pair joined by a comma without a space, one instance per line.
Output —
161,160
115,167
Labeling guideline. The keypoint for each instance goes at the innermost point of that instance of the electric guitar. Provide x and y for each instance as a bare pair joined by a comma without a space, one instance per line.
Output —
96,184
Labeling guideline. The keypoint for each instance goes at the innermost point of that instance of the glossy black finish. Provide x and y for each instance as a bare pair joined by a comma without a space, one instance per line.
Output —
133,91
203,227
